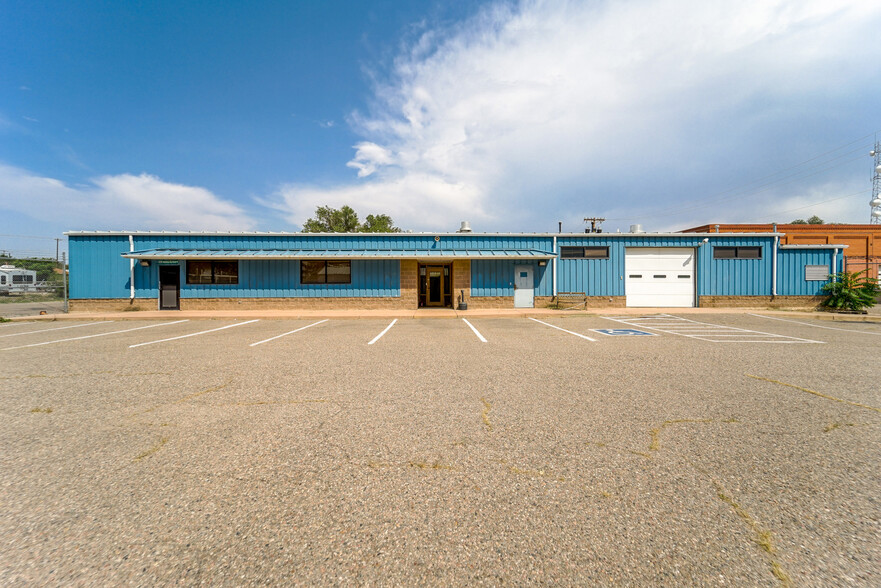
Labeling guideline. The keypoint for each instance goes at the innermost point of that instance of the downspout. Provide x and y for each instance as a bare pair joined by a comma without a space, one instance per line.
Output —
834,262
131,264
774,268
555,267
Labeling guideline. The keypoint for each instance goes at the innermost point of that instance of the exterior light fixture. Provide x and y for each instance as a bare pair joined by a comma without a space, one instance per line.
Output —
145,263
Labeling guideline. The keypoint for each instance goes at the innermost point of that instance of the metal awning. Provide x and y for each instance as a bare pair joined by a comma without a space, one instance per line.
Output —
203,254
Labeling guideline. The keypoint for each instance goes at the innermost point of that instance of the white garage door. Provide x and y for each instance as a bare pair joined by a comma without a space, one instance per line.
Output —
659,276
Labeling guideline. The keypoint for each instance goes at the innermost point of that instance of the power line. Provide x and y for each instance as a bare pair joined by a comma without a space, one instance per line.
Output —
764,188
818,203
751,189
28,237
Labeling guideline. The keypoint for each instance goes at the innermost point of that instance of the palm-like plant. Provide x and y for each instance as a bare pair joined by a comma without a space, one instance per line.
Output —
851,291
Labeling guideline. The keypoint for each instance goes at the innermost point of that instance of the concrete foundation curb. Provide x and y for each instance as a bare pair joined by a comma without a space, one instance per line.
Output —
435,314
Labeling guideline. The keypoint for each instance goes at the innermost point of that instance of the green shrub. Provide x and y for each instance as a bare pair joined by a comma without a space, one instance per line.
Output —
851,291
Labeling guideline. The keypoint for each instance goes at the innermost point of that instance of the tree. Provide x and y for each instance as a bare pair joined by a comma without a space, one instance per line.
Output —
332,220
380,223
345,220
814,220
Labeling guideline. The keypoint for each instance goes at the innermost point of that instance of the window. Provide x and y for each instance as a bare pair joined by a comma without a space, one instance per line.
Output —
325,272
22,279
737,253
212,272
584,252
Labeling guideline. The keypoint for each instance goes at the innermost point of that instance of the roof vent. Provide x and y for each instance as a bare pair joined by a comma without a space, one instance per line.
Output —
636,229
465,228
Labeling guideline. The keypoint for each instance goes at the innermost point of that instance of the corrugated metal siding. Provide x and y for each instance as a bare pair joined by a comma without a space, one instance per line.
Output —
98,271
791,271
96,268
337,242
281,279
605,277
495,277
735,277
594,277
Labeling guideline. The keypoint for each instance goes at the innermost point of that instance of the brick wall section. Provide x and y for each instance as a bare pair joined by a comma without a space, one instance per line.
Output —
462,280
409,284
113,305
388,303
796,302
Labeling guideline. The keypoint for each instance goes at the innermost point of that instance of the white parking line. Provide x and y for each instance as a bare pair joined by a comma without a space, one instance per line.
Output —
562,329
57,329
476,332
705,331
384,331
193,334
98,335
774,318
288,333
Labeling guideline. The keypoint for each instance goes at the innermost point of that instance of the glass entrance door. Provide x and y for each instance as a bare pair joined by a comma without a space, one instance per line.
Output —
169,287
435,286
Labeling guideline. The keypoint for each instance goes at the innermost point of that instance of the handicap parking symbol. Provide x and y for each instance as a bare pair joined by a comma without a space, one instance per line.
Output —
624,332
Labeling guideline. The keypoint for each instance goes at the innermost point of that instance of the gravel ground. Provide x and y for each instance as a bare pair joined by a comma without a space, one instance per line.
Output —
432,458
12,309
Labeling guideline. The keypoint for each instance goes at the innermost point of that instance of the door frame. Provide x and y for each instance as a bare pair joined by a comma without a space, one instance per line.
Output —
531,270
446,284
177,290
693,252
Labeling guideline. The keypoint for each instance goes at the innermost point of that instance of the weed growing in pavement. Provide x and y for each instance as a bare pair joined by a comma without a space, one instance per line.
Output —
764,539
153,449
485,415
536,474
837,425
815,393
429,466
656,432
44,410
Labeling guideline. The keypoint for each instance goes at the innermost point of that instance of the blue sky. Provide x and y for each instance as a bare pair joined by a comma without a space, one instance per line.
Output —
512,115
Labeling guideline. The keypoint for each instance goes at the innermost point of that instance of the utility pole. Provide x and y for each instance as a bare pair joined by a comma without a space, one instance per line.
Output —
594,224
64,277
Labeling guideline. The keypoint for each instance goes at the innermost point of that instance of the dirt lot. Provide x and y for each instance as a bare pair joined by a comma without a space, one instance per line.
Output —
725,449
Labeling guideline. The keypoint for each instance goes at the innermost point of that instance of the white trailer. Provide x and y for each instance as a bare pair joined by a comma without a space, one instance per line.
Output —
15,280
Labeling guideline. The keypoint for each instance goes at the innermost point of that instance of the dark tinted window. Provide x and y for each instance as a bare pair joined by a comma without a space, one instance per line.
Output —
584,252
312,272
737,253
325,272
212,272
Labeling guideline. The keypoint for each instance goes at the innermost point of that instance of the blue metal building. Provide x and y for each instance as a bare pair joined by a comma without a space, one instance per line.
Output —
404,270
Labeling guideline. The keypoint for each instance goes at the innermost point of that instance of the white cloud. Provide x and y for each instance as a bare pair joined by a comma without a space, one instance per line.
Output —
118,202
495,119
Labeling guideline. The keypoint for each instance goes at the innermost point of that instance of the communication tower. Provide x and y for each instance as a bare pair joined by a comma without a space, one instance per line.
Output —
875,203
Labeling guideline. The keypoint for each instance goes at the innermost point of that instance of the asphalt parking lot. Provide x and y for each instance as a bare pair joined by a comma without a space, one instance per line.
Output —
713,450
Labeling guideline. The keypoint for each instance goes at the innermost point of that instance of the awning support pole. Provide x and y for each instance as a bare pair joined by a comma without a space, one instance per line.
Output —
131,269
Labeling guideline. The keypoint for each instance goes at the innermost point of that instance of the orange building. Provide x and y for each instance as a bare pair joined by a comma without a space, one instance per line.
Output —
863,241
